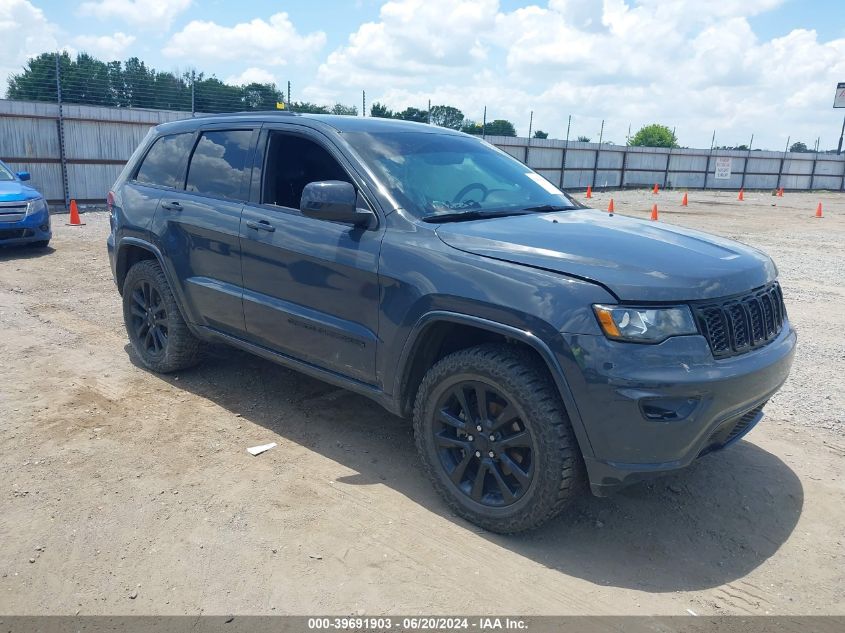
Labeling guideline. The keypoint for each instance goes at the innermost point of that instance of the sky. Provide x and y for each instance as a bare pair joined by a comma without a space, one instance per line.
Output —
739,67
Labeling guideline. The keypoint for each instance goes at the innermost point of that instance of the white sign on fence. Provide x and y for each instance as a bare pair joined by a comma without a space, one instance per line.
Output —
723,167
839,99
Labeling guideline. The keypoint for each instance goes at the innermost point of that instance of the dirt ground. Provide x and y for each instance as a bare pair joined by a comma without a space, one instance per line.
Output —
125,492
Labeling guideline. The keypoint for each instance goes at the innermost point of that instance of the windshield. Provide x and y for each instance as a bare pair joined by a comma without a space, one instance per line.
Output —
444,174
5,173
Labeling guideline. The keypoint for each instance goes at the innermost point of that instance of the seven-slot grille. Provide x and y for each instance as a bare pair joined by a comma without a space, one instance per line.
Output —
740,324
12,211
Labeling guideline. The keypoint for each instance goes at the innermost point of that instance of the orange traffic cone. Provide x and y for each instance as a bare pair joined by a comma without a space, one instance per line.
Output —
655,190
685,201
654,211
610,208
589,191
741,195
74,215
780,192
819,211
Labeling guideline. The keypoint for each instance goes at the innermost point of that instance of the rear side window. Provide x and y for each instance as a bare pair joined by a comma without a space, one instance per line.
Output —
219,163
164,162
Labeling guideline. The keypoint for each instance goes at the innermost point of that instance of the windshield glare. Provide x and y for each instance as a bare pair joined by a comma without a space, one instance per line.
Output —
433,174
5,173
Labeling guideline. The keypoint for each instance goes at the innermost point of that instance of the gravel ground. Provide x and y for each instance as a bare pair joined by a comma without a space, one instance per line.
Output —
124,492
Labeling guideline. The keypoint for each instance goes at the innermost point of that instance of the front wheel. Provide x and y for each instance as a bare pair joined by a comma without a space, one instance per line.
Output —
157,332
495,439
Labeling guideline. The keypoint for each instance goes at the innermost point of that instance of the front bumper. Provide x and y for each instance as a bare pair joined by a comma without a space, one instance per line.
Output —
33,228
648,409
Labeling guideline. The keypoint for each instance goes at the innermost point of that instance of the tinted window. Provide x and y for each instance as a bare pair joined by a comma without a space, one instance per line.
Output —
163,163
219,163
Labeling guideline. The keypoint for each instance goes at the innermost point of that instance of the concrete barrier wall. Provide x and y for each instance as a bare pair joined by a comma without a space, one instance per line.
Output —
98,141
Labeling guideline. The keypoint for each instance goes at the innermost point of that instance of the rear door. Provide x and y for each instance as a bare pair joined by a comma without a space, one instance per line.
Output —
199,226
311,286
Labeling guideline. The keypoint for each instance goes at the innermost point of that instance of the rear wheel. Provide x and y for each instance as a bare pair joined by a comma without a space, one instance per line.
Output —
157,332
495,439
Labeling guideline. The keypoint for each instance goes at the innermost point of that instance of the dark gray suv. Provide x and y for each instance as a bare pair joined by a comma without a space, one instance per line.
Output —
537,344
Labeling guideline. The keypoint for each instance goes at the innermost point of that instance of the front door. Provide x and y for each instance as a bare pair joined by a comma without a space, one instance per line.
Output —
311,286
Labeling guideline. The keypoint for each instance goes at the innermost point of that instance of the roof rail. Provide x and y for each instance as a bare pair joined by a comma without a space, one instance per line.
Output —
249,113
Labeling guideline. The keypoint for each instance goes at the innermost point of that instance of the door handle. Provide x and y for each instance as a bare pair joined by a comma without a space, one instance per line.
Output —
261,225
172,206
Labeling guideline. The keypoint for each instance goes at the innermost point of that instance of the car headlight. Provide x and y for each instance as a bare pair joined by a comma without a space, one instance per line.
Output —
644,325
36,206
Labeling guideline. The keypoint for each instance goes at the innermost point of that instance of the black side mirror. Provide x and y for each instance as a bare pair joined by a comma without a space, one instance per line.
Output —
335,201
23,175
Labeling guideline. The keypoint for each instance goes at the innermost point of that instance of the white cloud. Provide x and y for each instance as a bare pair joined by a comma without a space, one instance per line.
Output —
18,44
272,42
695,65
105,47
252,75
139,13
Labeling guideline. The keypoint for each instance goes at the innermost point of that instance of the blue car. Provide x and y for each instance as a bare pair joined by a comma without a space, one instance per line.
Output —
24,215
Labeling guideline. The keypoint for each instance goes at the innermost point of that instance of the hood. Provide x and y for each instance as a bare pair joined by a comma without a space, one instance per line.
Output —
15,191
636,260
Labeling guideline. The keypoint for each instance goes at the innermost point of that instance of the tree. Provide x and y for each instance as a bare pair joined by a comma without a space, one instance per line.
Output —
257,96
583,139
500,127
308,107
471,127
339,108
654,135
381,111
447,116
798,147
541,134
413,114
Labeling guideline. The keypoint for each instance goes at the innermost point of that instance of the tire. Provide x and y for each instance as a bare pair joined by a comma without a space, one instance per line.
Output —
156,330
532,468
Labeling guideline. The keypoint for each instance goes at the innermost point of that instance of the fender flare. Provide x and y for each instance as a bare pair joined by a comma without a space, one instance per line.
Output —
176,289
523,336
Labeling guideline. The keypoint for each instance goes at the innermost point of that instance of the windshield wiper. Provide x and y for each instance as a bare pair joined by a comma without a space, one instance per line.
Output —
550,207
473,214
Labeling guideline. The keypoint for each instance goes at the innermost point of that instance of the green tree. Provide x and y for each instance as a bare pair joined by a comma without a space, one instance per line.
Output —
308,107
339,108
500,127
583,139
257,96
471,127
447,116
37,82
381,111
654,135
541,134
413,114
798,147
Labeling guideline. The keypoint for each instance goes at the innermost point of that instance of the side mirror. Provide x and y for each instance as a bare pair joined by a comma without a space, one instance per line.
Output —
335,201
23,175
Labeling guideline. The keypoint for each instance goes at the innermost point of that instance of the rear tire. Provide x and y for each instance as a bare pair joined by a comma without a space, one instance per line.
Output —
156,329
495,439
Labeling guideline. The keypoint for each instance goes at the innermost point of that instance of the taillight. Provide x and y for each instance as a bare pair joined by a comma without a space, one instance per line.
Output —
110,201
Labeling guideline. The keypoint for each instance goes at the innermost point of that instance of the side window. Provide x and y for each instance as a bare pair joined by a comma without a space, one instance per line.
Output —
163,163
291,163
219,163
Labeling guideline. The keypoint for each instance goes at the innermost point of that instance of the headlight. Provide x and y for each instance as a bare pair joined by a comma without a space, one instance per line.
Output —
36,206
644,325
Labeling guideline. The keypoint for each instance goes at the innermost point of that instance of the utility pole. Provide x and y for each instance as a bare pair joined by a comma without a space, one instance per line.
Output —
563,154
429,111
288,103
193,93
484,124
363,103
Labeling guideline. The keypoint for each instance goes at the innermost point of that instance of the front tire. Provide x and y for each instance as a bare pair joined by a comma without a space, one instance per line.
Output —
156,330
495,439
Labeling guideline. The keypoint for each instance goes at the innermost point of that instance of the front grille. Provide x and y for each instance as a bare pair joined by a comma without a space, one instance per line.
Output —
740,324
12,212
15,234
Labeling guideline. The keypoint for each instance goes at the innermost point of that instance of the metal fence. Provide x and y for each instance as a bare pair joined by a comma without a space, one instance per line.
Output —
77,151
